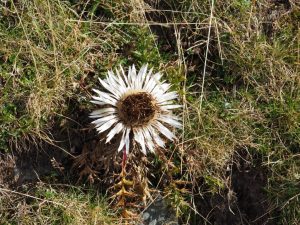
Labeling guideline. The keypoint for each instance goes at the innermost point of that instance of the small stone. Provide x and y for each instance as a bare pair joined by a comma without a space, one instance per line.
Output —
153,222
160,213
146,216
161,219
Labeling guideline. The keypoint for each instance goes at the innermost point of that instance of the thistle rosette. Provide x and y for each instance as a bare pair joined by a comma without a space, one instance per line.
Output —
138,105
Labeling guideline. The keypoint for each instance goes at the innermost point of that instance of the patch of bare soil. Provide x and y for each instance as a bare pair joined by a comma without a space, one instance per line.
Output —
29,167
33,161
246,202
276,10
8,175
76,156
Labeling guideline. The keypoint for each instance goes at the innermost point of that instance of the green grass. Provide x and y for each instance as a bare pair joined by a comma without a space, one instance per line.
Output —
52,52
56,205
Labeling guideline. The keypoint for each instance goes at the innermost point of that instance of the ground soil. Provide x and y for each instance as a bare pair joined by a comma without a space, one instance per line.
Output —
246,202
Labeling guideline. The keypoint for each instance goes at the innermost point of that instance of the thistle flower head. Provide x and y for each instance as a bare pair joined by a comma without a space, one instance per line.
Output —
138,105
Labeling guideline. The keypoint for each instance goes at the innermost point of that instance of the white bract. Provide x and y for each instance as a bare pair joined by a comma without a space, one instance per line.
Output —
138,106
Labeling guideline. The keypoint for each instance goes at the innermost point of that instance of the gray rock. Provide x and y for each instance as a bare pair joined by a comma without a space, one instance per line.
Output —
159,213
146,216
153,222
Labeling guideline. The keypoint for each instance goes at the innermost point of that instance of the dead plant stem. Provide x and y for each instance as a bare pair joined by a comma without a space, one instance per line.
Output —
206,54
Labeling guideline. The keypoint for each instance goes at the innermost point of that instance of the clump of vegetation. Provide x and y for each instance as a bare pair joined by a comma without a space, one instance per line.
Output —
55,205
43,58
235,65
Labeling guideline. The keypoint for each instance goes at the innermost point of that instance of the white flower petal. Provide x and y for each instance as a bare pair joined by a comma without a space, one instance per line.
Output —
122,142
165,103
127,140
115,86
171,120
147,77
167,97
156,137
150,85
102,112
139,137
165,131
106,125
124,76
105,100
148,138
132,75
165,87
159,141
139,79
108,87
166,107
98,102
157,77
159,90
114,131
105,95
103,119
120,80
104,84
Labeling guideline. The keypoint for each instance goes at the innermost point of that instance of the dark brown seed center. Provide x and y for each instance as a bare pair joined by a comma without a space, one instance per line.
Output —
137,109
